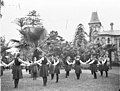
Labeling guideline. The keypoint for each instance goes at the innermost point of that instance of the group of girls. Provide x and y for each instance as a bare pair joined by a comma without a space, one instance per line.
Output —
44,63
52,66
104,65
76,64
16,68
96,64
46,66
99,64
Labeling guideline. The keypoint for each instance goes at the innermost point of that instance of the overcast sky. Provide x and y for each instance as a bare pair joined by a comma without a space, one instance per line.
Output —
60,15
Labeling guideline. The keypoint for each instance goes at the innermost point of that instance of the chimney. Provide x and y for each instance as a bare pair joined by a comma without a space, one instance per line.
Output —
111,24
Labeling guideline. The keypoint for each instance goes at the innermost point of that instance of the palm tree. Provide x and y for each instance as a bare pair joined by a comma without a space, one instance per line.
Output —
32,35
19,46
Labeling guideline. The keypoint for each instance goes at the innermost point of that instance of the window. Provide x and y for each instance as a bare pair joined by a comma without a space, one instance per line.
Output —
103,40
97,39
108,40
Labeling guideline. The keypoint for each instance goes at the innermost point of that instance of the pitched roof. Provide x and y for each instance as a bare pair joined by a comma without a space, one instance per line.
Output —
110,32
94,18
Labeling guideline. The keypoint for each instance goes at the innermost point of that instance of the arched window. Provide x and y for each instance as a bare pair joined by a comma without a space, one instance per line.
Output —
103,40
108,40
98,39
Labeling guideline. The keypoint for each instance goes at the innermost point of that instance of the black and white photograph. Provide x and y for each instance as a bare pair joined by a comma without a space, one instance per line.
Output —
59,45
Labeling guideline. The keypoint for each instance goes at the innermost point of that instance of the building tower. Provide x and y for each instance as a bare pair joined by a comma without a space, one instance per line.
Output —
94,26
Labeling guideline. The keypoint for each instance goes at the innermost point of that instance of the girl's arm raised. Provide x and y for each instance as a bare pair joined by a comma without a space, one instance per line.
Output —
11,63
4,64
103,62
39,64
91,62
56,62
73,62
88,61
69,62
20,60
1,64
40,60
98,63
48,61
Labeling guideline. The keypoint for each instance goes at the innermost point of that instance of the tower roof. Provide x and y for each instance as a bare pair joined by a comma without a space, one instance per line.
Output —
94,18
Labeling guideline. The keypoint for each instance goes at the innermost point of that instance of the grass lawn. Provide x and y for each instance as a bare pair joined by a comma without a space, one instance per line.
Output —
86,82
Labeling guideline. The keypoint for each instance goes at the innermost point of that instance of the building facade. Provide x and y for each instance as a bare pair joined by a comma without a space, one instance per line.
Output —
94,26
106,36
111,37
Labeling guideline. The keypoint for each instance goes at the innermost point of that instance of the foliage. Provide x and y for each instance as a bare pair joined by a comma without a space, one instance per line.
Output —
69,50
54,43
1,3
110,47
33,18
79,39
21,22
95,49
80,42
21,45
3,46
2,40
33,34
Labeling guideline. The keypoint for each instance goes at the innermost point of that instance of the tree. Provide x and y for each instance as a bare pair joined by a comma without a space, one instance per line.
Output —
21,22
95,48
54,43
69,50
3,49
1,2
79,39
19,46
33,34
33,19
